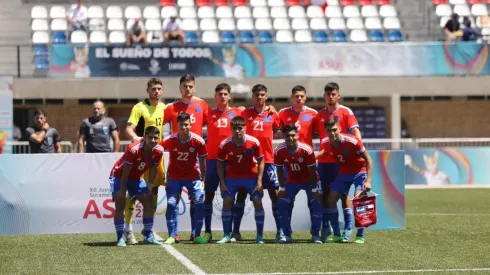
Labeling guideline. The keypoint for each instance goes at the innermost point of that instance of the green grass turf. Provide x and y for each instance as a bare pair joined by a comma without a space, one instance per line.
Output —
430,242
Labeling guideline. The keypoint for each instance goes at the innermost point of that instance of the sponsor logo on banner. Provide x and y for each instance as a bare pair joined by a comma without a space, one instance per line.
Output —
154,66
128,67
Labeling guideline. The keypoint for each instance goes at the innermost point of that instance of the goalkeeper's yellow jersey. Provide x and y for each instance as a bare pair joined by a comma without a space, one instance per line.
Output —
152,115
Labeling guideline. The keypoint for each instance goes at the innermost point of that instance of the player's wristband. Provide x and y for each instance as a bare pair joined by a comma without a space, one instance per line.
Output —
282,189
314,190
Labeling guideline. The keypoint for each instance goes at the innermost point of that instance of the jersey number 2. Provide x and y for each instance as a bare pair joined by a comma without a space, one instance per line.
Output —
341,158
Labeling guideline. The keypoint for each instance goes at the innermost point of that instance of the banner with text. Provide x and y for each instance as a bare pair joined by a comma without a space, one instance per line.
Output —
6,114
70,193
272,60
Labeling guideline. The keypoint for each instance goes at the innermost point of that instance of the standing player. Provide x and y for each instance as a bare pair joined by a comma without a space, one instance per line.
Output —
197,109
126,176
218,121
150,113
185,148
327,165
299,162
244,170
260,122
355,169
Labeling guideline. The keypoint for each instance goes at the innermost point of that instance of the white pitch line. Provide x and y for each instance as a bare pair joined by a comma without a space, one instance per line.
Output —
365,272
449,214
183,260
450,186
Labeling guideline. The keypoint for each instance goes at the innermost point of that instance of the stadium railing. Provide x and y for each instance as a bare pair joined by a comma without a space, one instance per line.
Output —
22,147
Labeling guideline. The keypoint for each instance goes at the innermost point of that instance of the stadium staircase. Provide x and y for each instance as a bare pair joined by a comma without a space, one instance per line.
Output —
417,19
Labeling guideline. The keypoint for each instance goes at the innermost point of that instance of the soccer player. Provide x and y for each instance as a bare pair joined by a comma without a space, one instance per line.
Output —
218,121
185,147
298,160
260,122
148,112
244,170
125,176
327,165
355,169
197,108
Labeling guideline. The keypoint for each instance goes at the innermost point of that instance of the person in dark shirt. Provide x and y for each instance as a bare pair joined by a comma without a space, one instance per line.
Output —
452,27
42,138
469,33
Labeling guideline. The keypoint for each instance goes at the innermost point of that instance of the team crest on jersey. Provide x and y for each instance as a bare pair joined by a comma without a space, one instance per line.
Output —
345,152
268,119
50,141
300,160
191,149
306,118
336,118
248,151
106,130
231,115
198,109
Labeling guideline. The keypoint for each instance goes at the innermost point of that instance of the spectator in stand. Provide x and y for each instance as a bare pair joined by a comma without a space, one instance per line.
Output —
137,33
453,28
77,16
469,33
42,138
98,131
173,32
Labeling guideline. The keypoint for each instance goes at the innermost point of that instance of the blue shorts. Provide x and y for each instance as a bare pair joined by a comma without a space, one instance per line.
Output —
343,183
249,184
269,178
212,178
327,172
292,189
194,187
134,187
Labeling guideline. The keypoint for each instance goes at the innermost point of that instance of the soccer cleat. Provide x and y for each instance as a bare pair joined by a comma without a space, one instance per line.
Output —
346,236
151,240
121,242
260,239
226,239
236,238
176,238
279,236
360,240
192,237
285,239
200,240
170,240
316,239
207,236
326,234
335,239
130,238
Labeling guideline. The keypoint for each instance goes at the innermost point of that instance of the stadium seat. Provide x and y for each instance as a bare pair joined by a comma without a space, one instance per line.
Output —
226,24
443,21
113,12
369,11
281,24
153,25
438,2
471,2
59,24
284,36
39,25
358,36
203,3
303,36
395,36
457,2
98,37
59,38
39,12
293,2
265,37
275,3
246,37
186,3
221,3
383,2
224,12
238,3
191,37
485,33
347,2
210,37
260,12
333,2
178,21
228,37
376,36
132,12
166,3
168,12
299,24
155,37
391,23
320,36
151,12
351,11
208,24
263,24
189,25
205,12
187,12
333,12
443,10
336,24
483,21
78,37
243,12
314,12
57,12
117,37
355,23
279,12
479,9
387,11
462,10
115,24
95,12
40,50
365,2
245,24
296,12
373,23
41,62
318,24
339,36
258,3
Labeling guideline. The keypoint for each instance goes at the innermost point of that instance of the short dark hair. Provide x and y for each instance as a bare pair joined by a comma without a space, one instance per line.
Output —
289,128
222,86
183,117
238,120
329,123
152,130
331,86
153,81
258,88
39,112
187,78
298,88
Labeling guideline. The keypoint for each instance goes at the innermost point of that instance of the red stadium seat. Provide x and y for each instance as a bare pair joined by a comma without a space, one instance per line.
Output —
167,3
239,3
218,3
437,2
201,3
475,2
365,2
306,2
383,2
347,2
293,2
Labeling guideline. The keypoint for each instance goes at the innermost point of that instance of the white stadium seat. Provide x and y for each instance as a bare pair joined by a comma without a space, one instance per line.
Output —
483,21
485,32
59,24
443,21
387,11
299,24
314,12
443,10
336,24
278,12
351,11
462,10
243,12
358,36
151,12
115,24
263,24
132,12
391,23
224,12
245,24
205,12
57,12
333,2
187,12
373,23
168,11
226,24
153,24
456,2
318,24
78,37
39,25
185,3
40,37
210,37
95,12
333,12
189,25
117,37
258,3
260,12
369,11
39,12
281,24
98,37
296,12
208,24
96,24
114,12
479,9
284,36
276,3
302,36
355,23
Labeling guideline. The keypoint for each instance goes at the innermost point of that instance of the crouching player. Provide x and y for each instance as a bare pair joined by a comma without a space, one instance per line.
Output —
185,147
126,176
244,169
355,169
298,159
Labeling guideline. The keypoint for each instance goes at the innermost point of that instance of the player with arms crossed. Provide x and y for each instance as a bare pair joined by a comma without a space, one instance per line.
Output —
185,148
355,169
150,113
298,160
197,108
126,176
244,170
218,121
327,165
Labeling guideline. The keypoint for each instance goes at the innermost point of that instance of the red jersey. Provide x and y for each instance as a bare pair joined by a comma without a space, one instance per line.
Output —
183,156
347,122
261,126
197,109
296,165
303,121
241,159
219,129
135,155
347,155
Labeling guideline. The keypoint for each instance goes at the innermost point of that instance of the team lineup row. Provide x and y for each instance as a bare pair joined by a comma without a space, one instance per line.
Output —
259,122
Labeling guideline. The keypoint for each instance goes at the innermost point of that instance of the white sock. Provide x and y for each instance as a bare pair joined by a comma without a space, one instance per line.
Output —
128,227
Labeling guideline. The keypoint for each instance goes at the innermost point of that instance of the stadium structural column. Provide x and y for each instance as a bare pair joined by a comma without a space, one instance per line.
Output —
396,120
